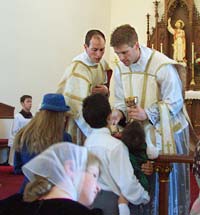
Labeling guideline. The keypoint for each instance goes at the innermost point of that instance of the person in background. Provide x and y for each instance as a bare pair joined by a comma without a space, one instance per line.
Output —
195,209
117,176
20,120
63,180
86,75
45,129
154,79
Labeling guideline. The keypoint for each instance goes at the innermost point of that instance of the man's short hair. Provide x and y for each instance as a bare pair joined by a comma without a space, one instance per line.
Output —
96,109
92,33
124,34
22,99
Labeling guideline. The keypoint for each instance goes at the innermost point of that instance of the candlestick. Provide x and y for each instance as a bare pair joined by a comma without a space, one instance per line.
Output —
148,32
161,47
152,46
192,52
192,82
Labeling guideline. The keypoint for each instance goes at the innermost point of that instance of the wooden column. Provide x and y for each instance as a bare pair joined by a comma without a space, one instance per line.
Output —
163,170
163,165
156,3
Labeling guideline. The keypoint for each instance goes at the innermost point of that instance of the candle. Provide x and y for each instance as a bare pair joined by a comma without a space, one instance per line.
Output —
192,52
152,46
161,47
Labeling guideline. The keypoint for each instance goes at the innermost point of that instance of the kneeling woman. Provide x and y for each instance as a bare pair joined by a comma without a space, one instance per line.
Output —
63,180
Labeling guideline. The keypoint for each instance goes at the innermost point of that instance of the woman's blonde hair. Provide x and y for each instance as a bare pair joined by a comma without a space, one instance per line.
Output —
36,189
43,130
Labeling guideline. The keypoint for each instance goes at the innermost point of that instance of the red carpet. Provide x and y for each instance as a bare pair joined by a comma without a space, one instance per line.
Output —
9,183
194,190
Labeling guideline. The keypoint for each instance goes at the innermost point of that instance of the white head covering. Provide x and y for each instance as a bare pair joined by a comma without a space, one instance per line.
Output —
52,163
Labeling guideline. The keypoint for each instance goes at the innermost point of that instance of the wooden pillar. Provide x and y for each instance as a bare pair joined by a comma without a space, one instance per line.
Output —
163,170
163,167
156,3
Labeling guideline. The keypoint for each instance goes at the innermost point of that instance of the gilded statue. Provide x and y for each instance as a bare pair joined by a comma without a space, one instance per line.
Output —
179,44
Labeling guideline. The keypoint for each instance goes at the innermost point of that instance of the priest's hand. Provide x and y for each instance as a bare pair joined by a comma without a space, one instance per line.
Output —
102,89
137,113
115,117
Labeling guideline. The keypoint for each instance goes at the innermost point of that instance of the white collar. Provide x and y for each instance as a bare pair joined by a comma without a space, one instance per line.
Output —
140,65
83,57
101,130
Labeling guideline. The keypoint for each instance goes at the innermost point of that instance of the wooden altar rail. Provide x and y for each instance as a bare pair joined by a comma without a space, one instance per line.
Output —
163,165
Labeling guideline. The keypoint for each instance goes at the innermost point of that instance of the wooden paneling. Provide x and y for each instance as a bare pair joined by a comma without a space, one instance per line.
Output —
193,108
6,111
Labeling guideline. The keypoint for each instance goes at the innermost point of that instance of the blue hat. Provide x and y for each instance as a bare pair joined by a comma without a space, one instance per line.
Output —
54,102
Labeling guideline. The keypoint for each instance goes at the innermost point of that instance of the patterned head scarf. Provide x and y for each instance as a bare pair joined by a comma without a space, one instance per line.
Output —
52,164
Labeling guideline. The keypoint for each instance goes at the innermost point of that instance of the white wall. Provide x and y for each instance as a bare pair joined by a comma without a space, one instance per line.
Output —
134,13
38,40
197,3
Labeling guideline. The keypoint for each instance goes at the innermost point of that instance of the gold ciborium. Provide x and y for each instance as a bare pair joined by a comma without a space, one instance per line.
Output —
131,101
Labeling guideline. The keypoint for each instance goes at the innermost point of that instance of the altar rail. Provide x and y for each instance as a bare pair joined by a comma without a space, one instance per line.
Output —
163,165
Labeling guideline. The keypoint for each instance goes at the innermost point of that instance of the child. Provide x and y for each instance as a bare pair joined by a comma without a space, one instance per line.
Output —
133,137
117,176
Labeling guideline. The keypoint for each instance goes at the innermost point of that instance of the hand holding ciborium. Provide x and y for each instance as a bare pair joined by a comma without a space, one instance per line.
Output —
131,102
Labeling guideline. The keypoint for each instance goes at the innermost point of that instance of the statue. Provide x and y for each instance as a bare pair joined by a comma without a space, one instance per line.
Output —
179,40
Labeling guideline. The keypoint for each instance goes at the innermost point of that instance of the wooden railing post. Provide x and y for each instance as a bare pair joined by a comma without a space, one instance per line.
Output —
163,170
163,165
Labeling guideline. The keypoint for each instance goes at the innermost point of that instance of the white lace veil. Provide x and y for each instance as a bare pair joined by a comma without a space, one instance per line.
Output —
53,162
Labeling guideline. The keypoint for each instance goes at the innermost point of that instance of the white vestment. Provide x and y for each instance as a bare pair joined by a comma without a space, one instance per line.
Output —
155,80
76,84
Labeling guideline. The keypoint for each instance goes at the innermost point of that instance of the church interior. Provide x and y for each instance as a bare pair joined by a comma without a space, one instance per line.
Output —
39,39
